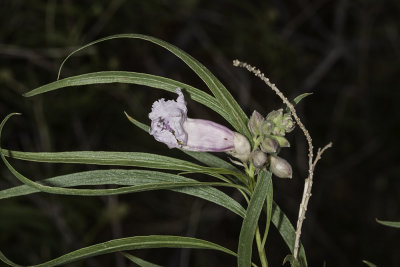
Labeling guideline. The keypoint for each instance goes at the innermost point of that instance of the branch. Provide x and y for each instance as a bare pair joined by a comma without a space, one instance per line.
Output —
311,161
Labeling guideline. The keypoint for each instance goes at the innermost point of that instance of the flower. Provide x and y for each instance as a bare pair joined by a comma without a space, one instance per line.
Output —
171,126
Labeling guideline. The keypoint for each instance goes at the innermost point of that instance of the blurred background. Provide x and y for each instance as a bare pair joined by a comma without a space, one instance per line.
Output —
346,52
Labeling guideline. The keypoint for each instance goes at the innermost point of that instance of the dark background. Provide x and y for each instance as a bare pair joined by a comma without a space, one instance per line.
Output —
346,52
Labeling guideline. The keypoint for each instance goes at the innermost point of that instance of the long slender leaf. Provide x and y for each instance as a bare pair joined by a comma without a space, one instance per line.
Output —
269,205
369,264
287,231
139,261
250,221
139,178
131,78
279,219
234,114
128,243
133,159
389,223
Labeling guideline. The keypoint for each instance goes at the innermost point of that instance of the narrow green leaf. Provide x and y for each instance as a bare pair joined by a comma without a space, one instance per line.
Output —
234,114
293,262
389,223
142,179
250,221
212,160
370,264
133,159
128,243
288,232
269,204
139,261
149,80
4,259
142,126
297,100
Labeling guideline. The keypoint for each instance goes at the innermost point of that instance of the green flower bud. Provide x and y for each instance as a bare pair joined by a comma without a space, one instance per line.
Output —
282,123
278,131
258,159
280,167
269,145
282,141
255,122
275,116
266,128
287,122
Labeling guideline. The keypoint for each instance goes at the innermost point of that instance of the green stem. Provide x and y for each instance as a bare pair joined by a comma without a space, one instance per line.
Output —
260,247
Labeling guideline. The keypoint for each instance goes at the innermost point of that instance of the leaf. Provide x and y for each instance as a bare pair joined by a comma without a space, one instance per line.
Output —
131,78
128,243
250,221
288,232
142,126
133,159
370,264
143,179
234,114
292,260
139,261
297,100
269,205
212,160
389,223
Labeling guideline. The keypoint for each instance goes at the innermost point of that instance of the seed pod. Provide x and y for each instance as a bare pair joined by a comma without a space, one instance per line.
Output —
280,167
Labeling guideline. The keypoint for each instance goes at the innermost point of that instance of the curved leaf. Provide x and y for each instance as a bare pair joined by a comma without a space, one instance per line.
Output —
133,159
234,114
128,243
250,221
369,264
389,223
287,231
142,179
139,261
154,81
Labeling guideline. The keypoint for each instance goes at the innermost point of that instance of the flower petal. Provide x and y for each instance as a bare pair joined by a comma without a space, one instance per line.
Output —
205,135
167,118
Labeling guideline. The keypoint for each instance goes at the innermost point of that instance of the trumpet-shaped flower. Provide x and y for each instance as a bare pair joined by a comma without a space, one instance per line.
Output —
171,126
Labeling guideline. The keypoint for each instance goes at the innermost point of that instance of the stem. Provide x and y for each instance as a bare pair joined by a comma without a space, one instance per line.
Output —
306,197
261,251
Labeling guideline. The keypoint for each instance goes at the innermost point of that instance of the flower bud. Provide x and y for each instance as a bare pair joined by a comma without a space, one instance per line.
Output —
241,147
275,116
282,141
282,123
266,127
280,167
255,123
269,145
287,122
258,159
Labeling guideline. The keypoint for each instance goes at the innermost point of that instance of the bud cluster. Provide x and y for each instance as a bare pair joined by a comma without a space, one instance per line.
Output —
269,137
